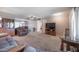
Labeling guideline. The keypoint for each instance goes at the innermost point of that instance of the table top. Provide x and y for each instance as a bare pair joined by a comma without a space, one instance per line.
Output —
69,40
3,34
17,48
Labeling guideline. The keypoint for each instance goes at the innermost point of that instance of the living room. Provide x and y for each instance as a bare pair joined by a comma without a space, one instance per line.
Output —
35,31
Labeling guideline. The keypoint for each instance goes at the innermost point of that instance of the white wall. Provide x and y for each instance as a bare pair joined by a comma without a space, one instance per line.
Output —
32,24
62,22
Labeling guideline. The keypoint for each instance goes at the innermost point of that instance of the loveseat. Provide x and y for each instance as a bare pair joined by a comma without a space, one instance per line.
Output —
21,31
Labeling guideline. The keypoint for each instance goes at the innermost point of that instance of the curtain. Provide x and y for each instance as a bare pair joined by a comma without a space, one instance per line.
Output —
74,24
77,23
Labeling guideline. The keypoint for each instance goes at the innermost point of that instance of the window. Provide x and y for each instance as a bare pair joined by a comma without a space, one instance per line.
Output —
19,24
0,22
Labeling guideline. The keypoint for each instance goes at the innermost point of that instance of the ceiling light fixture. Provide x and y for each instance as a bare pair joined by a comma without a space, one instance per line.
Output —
57,14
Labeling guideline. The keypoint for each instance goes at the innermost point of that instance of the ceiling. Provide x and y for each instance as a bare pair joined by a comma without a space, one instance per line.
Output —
24,12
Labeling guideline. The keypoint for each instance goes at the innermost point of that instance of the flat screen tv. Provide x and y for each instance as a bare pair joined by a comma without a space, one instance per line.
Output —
50,25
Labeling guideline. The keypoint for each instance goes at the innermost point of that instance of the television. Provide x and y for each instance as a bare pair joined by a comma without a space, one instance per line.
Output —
50,25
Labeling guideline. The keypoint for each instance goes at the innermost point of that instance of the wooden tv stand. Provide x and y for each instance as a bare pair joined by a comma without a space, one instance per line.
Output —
50,32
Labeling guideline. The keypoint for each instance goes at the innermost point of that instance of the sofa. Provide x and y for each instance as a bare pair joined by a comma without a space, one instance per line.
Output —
21,31
7,43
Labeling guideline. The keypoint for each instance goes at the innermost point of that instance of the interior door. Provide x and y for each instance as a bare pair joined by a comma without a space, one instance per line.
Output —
39,26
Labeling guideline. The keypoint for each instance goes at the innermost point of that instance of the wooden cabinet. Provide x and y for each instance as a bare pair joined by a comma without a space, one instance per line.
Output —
7,26
8,23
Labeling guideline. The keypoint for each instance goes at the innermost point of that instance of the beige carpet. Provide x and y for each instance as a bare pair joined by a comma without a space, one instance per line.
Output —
41,41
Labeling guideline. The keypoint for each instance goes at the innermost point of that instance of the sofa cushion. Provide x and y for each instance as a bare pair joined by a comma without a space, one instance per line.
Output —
4,45
11,41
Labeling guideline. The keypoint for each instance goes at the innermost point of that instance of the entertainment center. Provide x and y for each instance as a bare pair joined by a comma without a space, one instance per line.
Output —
50,29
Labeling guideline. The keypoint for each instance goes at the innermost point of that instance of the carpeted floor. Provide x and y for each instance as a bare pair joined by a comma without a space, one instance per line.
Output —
41,41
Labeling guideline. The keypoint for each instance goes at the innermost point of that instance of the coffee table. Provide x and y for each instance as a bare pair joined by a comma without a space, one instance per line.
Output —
18,48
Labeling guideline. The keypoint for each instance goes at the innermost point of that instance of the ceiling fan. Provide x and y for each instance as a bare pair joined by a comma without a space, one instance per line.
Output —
33,18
